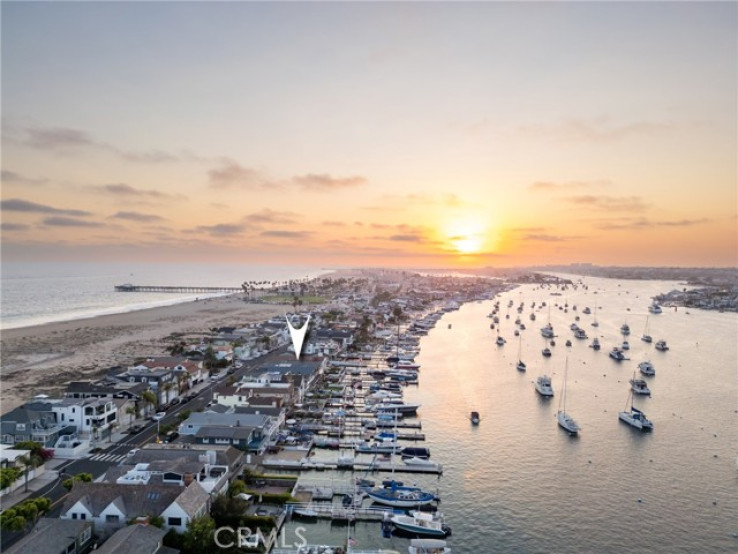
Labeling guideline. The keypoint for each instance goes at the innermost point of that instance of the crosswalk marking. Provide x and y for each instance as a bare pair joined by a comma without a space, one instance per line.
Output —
108,457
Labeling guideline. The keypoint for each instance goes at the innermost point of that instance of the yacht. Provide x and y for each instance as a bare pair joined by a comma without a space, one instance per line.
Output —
543,386
573,326
661,345
421,523
565,420
647,368
399,496
546,352
625,345
617,354
595,343
647,338
500,341
654,308
639,386
428,546
625,329
580,334
474,418
636,418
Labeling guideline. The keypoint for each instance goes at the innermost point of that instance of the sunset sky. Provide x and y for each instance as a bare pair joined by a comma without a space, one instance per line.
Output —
402,134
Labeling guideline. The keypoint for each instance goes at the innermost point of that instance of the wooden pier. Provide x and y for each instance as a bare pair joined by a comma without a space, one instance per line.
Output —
185,290
303,465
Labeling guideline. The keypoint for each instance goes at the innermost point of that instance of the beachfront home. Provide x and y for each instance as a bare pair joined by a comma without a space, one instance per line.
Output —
94,417
55,536
161,380
34,421
110,506
105,388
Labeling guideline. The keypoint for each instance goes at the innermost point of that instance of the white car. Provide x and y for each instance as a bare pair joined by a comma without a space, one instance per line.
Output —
158,416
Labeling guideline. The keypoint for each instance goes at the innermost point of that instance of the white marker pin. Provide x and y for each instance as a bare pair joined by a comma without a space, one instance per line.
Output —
297,335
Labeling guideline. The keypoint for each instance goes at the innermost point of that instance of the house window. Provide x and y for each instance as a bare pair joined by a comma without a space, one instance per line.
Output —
74,515
82,516
112,518
174,521
62,417
20,426
74,410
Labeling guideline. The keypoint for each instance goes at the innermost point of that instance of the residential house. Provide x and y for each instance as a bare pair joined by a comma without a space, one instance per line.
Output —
136,539
161,380
55,536
247,432
34,421
110,506
94,417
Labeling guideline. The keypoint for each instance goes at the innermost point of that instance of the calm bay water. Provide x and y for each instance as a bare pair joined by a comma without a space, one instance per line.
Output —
519,483
41,292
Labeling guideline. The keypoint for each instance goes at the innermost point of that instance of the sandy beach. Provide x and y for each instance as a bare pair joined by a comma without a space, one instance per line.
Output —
43,358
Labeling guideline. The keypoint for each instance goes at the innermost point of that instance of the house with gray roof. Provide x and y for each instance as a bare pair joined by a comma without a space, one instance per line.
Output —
55,536
110,506
34,421
136,539
247,432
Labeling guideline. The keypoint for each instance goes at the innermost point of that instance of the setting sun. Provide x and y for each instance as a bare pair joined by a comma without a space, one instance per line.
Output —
466,236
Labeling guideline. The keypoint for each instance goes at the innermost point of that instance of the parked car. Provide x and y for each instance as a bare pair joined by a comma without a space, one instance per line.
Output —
135,429
171,436
158,416
174,402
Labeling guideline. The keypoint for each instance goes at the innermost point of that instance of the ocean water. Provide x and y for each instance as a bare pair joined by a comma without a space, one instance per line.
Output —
43,292
519,483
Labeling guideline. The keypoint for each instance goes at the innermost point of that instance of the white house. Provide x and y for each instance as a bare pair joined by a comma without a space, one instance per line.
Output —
87,414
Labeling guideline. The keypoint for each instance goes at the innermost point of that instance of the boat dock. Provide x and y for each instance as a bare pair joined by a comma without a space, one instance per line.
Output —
154,288
339,513
302,465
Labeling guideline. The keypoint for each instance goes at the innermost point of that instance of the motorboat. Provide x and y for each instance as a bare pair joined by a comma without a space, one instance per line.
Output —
573,326
521,366
547,331
595,343
384,447
647,338
543,386
428,546
567,343
546,352
647,368
421,523
399,496
639,386
655,308
415,452
625,329
415,461
474,417
586,310
636,418
580,334
617,354
500,341
398,408
625,345
661,345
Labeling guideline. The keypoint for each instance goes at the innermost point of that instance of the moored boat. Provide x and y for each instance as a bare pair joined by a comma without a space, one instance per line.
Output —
543,386
428,546
661,345
474,418
639,386
647,368
421,523
400,496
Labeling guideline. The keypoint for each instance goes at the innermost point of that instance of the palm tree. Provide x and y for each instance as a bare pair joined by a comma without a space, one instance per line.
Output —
166,387
149,399
131,411
29,463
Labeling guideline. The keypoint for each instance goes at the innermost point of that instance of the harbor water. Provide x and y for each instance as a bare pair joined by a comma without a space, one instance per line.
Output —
517,482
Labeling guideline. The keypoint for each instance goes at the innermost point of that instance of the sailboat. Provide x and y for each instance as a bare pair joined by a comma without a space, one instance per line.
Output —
635,417
646,337
521,364
564,419
397,495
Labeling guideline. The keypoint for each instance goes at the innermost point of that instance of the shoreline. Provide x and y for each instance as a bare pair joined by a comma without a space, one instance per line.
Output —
43,358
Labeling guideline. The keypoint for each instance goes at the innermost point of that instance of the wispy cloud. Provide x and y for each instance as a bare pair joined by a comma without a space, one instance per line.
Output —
14,226
272,216
333,223
406,238
137,216
598,130
279,233
610,203
550,238
450,200
567,185
124,190
231,174
19,205
8,176
61,221
221,229
52,138
642,223
325,182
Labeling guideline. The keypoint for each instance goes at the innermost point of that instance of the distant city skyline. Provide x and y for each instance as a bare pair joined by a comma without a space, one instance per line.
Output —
386,134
